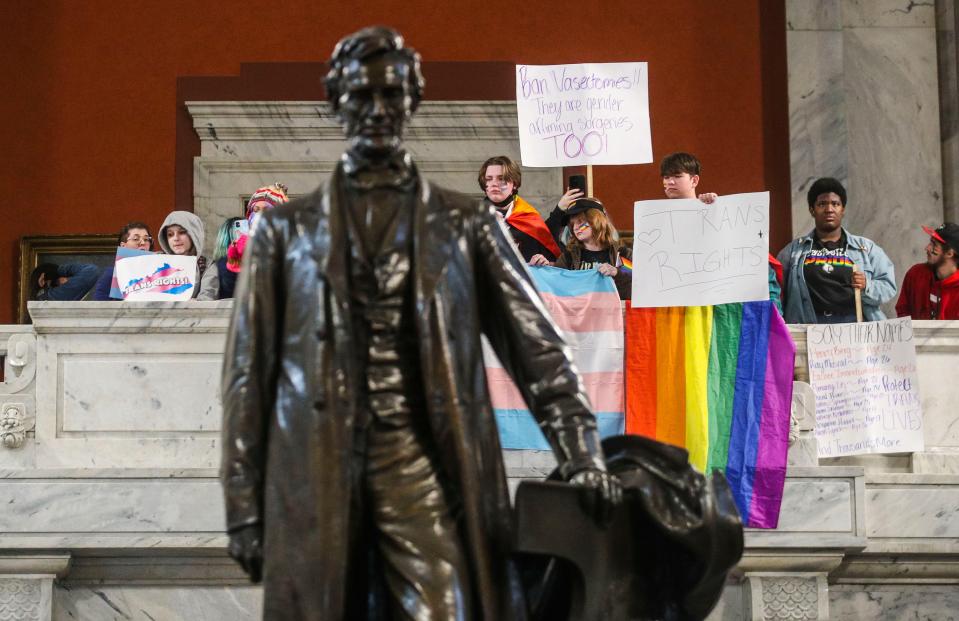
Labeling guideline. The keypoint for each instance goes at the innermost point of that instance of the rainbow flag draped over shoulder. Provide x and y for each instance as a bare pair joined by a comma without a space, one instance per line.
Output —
585,306
525,218
716,380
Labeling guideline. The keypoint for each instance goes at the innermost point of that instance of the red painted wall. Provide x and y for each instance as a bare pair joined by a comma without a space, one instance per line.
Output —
89,105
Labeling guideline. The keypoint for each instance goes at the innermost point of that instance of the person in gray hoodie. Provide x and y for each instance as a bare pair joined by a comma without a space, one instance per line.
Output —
182,233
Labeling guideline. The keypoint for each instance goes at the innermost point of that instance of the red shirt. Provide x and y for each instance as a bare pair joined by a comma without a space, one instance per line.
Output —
924,297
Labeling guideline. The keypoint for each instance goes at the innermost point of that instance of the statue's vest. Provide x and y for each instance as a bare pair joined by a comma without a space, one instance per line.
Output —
381,299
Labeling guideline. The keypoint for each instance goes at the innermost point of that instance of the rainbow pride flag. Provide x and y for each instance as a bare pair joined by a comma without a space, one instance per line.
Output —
718,381
585,306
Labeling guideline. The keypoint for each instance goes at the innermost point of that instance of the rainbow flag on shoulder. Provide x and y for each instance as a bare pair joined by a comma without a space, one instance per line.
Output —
718,381
585,306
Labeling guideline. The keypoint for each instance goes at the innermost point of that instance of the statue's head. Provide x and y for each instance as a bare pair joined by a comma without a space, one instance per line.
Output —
374,84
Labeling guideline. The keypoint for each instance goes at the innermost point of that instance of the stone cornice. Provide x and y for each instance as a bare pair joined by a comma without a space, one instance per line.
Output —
130,317
434,120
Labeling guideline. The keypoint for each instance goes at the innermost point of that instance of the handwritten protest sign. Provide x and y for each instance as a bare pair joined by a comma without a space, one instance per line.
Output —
866,385
155,277
594,113
688,253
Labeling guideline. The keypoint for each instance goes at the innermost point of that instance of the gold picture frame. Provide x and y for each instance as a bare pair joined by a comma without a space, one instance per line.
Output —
99,249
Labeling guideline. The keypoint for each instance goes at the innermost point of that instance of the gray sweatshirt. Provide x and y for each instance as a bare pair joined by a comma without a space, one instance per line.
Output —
194,228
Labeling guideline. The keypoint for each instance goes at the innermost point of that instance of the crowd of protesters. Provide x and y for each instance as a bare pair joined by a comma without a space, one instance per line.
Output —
819,277
182,233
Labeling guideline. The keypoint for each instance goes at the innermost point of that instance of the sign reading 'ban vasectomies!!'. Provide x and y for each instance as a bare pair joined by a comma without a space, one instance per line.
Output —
595,113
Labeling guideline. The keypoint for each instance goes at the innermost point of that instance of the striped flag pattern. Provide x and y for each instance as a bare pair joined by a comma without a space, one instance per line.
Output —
716,380
585,306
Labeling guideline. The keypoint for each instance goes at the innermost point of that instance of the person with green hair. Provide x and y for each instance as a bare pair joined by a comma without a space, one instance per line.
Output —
218,281
231,238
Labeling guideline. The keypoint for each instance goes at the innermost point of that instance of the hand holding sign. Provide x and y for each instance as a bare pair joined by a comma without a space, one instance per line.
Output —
595,113
688,253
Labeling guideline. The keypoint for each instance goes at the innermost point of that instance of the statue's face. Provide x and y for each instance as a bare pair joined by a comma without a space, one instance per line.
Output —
375,103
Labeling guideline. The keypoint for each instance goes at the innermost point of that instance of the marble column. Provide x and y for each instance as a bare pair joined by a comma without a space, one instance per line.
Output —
947,23
864,108
817,100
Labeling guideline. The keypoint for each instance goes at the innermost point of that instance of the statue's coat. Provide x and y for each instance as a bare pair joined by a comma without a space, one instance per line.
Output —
291,445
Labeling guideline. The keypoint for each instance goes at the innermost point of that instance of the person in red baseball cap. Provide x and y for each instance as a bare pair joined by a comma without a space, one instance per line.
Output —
931,289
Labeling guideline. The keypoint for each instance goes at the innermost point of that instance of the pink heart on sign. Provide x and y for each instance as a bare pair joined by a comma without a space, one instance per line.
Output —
649,237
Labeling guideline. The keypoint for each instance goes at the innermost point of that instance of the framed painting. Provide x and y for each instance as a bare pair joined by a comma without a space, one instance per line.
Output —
99,249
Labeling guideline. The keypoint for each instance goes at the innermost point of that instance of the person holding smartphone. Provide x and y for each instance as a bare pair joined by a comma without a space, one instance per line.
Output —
556,221
594,244
218,281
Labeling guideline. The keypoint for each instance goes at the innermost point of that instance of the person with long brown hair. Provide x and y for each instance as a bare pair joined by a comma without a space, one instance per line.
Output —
594,244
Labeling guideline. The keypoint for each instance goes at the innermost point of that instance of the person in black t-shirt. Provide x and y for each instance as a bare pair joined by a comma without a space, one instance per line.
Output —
593,244
823,269
829,276
828,270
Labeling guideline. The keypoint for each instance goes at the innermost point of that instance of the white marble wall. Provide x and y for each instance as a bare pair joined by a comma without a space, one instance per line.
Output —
918,601
156,603
864,108
126,386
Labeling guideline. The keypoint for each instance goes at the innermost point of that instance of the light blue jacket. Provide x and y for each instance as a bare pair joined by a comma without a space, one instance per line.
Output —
871,259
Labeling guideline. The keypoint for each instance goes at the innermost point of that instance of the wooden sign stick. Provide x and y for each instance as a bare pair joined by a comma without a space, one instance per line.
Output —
858,293
589,180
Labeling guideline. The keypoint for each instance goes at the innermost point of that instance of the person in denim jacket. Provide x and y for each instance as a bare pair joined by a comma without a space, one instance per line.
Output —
822,269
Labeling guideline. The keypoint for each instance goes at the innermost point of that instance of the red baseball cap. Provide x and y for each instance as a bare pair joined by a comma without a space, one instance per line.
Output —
947,234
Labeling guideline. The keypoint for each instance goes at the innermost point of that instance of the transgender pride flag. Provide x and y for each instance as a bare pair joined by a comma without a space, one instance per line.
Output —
585,306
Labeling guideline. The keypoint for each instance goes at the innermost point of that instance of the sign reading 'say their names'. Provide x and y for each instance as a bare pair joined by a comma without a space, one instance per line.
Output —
594,113
867,388
688,253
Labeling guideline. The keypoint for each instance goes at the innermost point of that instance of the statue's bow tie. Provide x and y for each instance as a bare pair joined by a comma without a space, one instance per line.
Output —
395,170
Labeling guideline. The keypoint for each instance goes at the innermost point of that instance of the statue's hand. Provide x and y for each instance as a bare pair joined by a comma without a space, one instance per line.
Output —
246,548
602,494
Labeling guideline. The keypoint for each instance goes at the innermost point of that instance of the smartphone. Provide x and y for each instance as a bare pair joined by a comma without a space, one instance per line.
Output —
578,182
242,227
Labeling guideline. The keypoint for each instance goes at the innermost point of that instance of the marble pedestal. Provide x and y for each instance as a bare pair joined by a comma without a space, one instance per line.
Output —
26,585
785,596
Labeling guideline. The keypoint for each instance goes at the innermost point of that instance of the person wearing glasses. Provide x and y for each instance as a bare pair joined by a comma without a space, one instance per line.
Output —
135,236
822,269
